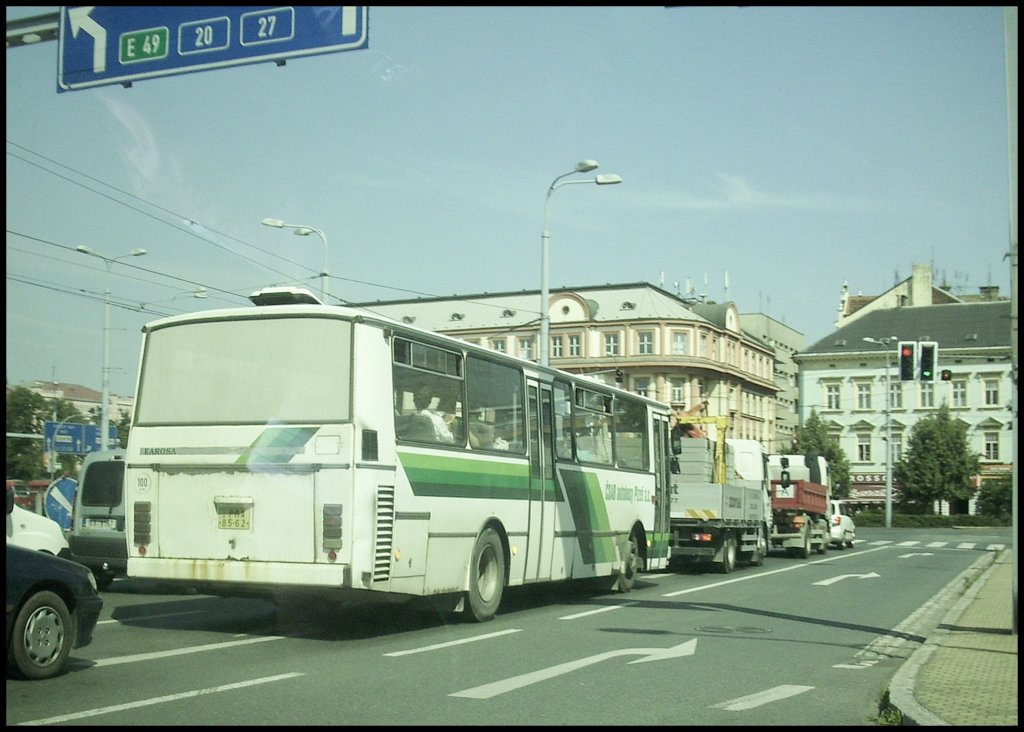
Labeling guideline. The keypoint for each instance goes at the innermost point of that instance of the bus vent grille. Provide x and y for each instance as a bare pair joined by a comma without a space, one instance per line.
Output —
385,533
370,449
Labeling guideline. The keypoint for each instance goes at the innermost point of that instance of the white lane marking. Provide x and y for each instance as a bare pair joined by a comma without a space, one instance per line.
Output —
761,698
937,544
148,617
600,610
183,651
160,700
436,646
486,691
965,545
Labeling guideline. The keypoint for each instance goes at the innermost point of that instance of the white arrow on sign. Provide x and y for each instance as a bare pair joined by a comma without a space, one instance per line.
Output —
916,554
833,580
80,20
687,648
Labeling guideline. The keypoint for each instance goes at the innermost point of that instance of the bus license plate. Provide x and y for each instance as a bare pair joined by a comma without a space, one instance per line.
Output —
233,518
94,523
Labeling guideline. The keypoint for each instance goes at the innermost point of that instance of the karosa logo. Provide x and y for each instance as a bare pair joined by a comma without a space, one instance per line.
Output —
159,451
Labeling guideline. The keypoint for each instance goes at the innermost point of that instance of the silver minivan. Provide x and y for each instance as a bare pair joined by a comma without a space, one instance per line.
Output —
97,537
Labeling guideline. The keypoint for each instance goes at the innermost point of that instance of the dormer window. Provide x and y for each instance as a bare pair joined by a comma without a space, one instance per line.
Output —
627,305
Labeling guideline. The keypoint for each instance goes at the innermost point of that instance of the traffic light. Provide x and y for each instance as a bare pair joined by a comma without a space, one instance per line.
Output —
618,376
908,360
946,375
928,355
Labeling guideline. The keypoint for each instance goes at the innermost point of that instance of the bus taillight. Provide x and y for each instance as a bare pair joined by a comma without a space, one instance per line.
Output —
332,529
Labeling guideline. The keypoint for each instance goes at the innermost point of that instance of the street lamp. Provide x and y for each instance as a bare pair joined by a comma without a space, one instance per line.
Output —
884,343
584,166
306,231
104,408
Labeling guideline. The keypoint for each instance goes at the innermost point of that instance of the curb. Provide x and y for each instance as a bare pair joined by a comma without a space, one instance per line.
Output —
901,688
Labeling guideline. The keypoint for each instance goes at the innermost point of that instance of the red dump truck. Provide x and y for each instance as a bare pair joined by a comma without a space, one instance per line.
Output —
800,497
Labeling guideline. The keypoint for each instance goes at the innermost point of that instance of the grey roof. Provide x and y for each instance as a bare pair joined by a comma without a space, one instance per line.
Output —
508,310
952,325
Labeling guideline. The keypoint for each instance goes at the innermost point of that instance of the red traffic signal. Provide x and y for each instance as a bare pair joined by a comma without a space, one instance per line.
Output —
908,360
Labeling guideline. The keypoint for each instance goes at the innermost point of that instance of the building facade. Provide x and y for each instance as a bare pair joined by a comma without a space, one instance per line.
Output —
850,378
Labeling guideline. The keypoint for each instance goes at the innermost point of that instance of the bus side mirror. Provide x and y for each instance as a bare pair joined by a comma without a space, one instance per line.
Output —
677,444
784,478
673,465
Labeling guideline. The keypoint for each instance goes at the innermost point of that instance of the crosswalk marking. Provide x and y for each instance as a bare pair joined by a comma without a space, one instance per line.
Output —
940,544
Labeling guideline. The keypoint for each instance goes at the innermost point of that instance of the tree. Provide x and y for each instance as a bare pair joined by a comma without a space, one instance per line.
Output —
996,496
813,436
938,464
27,413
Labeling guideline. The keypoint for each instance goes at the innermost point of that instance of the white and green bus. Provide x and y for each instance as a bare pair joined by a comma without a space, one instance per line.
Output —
295,447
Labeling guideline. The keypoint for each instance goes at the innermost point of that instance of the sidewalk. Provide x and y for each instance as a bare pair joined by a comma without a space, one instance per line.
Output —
965,673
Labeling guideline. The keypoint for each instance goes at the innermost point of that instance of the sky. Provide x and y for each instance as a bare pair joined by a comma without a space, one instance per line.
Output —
768,156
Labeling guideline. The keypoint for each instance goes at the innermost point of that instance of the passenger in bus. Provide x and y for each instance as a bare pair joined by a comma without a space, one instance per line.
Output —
422,400
481,434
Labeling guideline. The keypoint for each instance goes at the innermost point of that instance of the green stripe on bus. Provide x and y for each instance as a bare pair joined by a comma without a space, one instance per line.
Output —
590,516
445,475
277,445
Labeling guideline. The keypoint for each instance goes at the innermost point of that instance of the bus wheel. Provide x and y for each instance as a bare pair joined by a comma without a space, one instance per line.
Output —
486,577
630,566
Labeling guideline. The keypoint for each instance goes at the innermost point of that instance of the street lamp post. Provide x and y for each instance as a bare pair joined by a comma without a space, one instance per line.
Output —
584,166
104,408
885,343
306,231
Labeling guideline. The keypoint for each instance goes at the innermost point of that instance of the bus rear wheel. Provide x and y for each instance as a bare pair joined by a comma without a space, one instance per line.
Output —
486,577
630,566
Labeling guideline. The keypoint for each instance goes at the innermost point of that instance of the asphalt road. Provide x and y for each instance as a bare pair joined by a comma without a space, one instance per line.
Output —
793,642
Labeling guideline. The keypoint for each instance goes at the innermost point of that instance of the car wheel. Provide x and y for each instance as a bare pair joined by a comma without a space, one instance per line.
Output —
41,638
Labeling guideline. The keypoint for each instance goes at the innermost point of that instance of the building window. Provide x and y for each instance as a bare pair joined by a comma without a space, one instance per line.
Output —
832,396
574,346
895,395
677,393
645,343
556,346
526,348
991,445
897,449
863,396
960,393
680,343
704,345
641,384
927,395
498,344
864,448
991,393
611,344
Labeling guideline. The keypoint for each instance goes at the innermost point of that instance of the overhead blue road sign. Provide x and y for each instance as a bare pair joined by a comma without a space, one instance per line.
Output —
74,439
98,45
59,501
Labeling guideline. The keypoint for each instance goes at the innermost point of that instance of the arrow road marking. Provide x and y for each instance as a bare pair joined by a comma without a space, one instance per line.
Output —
80,20
916,554
764,697
833,580
687,648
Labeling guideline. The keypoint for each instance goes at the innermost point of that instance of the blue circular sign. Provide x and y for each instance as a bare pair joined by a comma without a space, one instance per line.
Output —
59,501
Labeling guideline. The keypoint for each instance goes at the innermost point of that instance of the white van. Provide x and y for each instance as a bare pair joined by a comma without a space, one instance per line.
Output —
97,533
33,530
